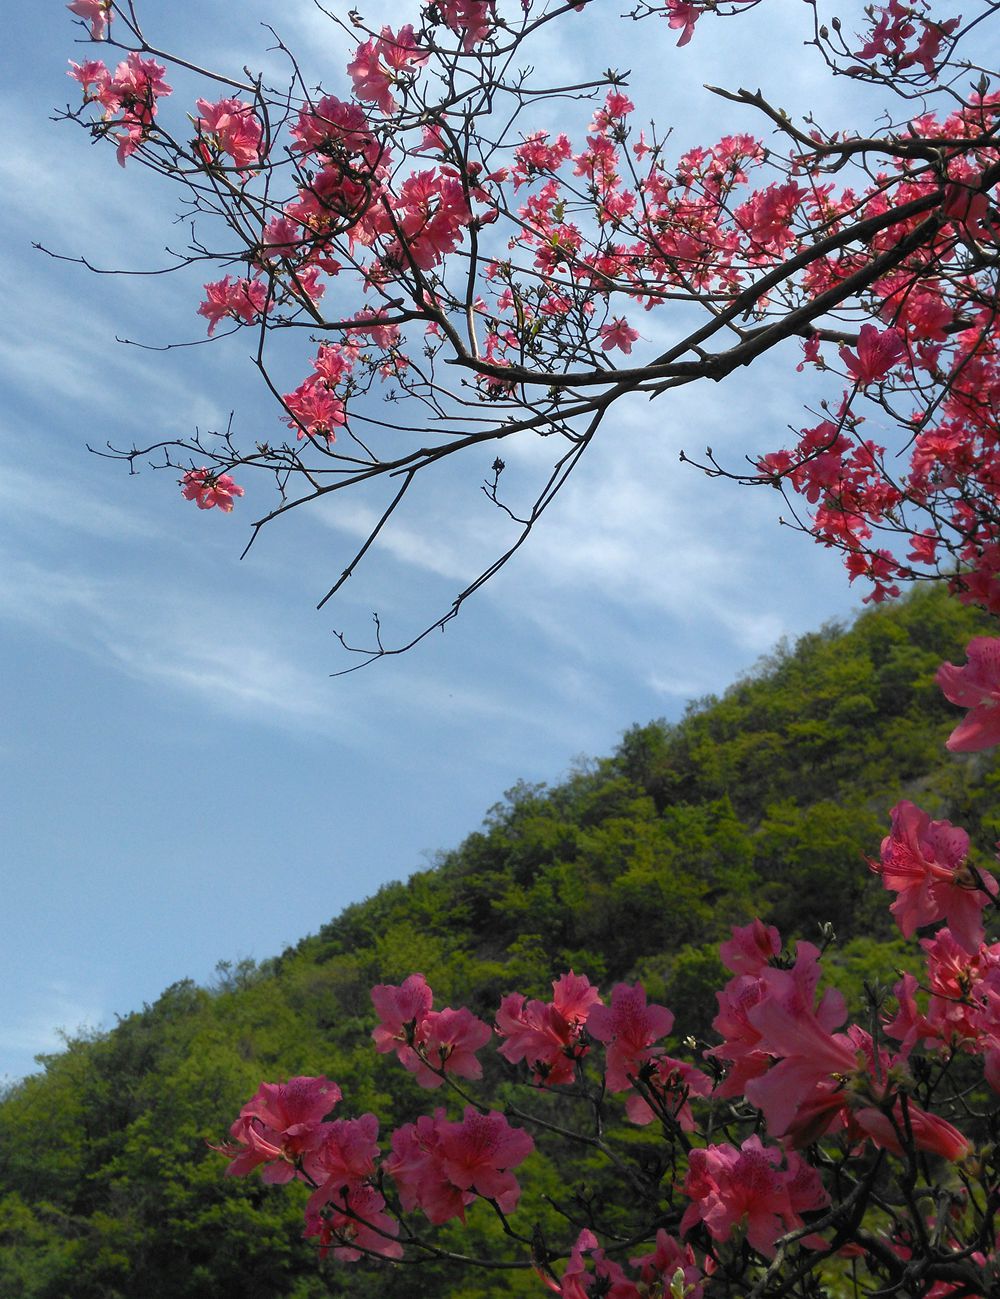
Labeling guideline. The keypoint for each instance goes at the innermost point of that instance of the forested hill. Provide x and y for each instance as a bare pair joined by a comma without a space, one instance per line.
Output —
765,801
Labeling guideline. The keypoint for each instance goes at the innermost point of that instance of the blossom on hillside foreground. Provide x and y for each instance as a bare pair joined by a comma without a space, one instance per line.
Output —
828,1104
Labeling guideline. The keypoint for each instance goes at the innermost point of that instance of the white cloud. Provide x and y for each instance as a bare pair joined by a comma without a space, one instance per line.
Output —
436,552
32,498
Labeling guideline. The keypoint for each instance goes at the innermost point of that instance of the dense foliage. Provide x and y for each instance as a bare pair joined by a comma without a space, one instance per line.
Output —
766,801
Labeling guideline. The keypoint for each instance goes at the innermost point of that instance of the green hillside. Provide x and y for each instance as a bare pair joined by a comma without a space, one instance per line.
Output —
764,801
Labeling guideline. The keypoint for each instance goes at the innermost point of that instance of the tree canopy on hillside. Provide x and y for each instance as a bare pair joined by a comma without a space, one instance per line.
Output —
107,1186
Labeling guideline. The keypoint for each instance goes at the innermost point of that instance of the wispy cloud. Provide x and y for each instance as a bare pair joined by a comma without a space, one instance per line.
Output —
32,499
48,1010
436,551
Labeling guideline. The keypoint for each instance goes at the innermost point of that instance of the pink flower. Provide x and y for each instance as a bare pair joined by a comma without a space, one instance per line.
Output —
953,976
314,410
358,1227
924,861
331,126
537,155
371,79
416,1166
449,1039
469,18
575,1278
750,948
629,1027
278,1125
740,1039
810,352
730,1187
96,12
682,17
136,86
478,1153
344,1159
209,489
877,353
791,1026
232,128
333,363
824,1079
672,1083
618,334
129,140
546,1034
578,1283
382,332
281,237
238,299
92,72
976,687
379,63
663,1264
401,1011
427,1042
985,1020
440,1166
766,217
928,1131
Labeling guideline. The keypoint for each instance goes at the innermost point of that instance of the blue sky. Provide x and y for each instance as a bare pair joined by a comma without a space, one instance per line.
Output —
182,779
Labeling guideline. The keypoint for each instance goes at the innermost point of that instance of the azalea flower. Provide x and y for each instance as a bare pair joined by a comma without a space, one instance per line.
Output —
924,861
280,1123
618,333
730,1187
976,687
878,351
208,489
95,12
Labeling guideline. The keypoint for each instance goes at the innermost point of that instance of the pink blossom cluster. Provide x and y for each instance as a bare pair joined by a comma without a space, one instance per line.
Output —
936,330
962,1010
784,1049
548,1036
905,35
315,409
658,1271
441,1166
228,127
128,97
283,1128
383,61
438,1165
613,221
429,1043
749,1188
470,19
924,861
209,490
233,298
806,1078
